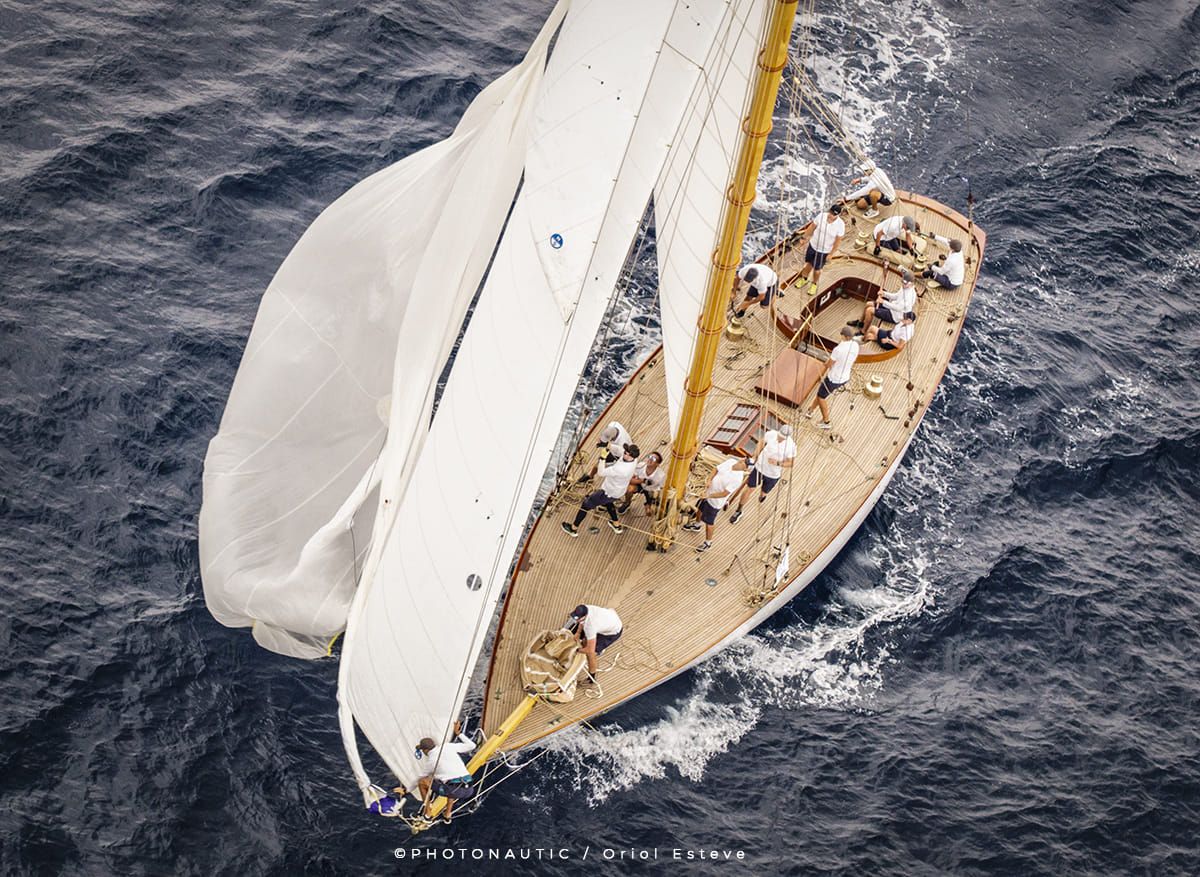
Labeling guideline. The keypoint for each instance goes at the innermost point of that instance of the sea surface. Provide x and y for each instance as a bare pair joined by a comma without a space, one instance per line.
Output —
999,675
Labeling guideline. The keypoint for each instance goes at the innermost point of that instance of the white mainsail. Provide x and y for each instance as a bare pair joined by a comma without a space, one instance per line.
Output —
689,198
290,479
616,91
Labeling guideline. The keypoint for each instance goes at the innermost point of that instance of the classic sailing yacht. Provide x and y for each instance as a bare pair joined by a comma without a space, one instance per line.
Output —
342,494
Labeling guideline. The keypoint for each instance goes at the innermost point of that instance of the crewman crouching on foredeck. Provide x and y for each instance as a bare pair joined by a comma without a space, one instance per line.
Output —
597,628
448,776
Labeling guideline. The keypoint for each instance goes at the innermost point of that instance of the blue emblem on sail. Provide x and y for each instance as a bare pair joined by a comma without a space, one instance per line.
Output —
556,240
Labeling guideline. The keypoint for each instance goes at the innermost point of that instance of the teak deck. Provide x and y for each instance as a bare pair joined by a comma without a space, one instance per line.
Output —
672,614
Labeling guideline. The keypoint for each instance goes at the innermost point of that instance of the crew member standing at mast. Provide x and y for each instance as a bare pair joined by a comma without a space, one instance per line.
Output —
763,284
726,481
777,452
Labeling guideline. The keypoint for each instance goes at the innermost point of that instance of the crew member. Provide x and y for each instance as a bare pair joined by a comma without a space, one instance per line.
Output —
725,482
612,440
896,234
762,284
597,629
876,189
837,373
616,477
950,269
648,479
892,306
824,232
778,452
448,776
896,337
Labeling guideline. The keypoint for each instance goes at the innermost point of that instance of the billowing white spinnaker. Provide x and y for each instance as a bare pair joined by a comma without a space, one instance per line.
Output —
615,94
291,479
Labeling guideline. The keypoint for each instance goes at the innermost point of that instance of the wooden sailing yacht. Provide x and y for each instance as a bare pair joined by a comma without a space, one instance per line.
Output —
342,495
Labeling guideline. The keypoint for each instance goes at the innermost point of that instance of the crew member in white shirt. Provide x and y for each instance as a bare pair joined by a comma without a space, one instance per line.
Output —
616,477
951,268
778,452
896,234
837,373
896,337
892,306
648,479
726,481
597,628
762,284
824,232
448,776
876,189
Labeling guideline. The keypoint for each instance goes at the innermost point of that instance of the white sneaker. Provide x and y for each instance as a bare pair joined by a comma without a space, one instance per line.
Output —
825,424
871,213
693,526
703,546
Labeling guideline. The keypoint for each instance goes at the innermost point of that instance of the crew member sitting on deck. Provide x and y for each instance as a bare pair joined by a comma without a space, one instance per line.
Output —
616,479
950,269
448,776
837,375
597,629
777,453
648,479
896,234
824,232
726,481
896,337
876,189
763,284
892,306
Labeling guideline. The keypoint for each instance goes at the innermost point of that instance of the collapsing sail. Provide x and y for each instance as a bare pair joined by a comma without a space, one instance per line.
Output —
635,101
346,349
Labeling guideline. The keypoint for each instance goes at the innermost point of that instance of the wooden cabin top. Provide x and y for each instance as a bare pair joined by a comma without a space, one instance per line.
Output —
678,605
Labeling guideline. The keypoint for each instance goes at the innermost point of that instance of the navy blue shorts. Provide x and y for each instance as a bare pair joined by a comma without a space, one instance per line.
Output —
943,280
768,484
597,499
452,789
708,512
896,244
817,260
827,387
753,294
604,640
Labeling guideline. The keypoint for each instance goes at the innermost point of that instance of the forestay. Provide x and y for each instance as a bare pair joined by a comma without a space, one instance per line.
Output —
689,199
392,265
614,96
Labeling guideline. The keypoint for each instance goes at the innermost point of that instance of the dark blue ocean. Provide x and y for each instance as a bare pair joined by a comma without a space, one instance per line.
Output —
999,675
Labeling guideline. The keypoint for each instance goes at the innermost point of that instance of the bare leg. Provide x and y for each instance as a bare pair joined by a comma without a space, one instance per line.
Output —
824,406
708,531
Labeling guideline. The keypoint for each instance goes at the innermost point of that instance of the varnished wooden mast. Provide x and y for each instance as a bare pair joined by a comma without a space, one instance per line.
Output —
756,126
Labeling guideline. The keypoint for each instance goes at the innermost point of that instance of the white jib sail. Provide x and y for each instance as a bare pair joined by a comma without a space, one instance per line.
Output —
689,200
290,478
614,94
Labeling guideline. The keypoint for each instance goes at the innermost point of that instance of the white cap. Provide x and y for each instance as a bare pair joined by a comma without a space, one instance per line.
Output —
785,430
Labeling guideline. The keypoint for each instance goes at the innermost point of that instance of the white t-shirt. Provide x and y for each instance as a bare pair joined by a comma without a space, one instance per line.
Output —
601,620
843,357
617,476
652,483
954,268
901,301
448,765
775,451
826,232
892,228
763,280
617,445
875,179
903,332
727,479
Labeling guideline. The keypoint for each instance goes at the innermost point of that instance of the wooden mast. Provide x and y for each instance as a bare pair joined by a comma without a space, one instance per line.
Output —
772,59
